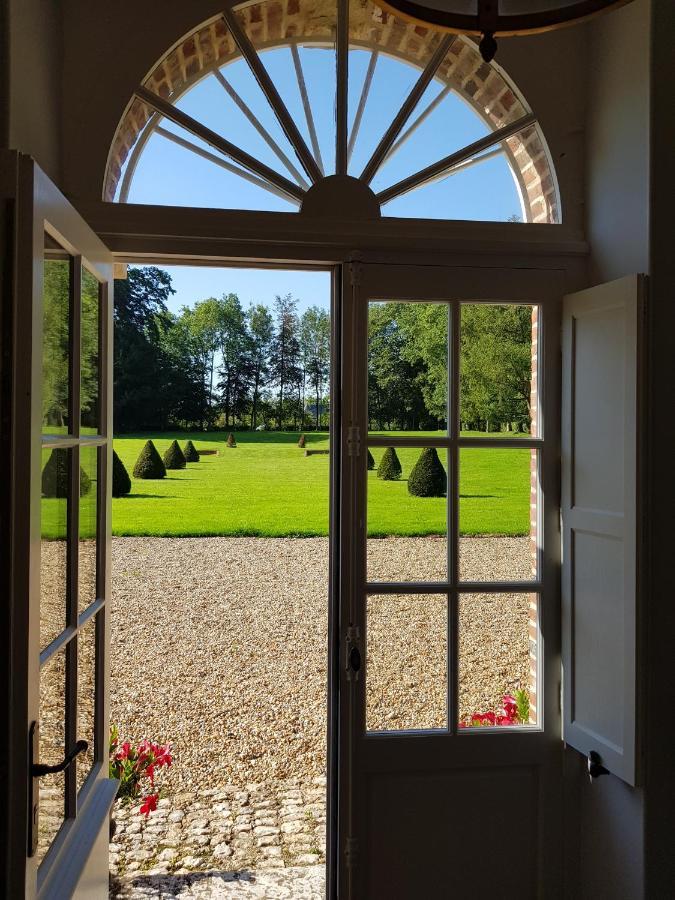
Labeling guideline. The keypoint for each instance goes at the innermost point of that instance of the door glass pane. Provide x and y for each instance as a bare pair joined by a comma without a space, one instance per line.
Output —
86,696
89,468
497,514
408,368
90,359
407,515
53,544
497,656
56,307
52,749
406,662
498,369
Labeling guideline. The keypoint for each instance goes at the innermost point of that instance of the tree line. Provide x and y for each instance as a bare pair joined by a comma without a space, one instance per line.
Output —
216,364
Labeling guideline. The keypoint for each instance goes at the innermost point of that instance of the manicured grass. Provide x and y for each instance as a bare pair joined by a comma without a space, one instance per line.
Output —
267,486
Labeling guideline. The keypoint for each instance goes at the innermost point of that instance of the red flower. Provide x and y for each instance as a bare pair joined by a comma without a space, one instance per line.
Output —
149,804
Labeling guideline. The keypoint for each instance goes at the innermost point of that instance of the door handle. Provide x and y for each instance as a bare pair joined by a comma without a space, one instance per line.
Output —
39,769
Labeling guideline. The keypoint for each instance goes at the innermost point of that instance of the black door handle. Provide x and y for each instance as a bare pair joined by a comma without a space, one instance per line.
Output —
39,769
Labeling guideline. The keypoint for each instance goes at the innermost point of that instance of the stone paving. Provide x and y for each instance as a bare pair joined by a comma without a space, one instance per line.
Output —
259,841
305,883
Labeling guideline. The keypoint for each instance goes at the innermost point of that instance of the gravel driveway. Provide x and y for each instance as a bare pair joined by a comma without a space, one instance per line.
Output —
219,646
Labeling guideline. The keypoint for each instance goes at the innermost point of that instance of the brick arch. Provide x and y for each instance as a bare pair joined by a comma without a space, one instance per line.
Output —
273,23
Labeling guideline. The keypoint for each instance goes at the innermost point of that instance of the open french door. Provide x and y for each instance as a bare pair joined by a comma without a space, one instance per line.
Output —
57,415
444,793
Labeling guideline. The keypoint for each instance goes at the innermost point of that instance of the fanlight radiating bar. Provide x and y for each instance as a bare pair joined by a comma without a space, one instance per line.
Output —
415,124
304,96
261,75
341,97
218,142
363,99
259,127
449,162
224,164
406,109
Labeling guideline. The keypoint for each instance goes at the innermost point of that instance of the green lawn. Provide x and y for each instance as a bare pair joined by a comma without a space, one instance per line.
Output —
267,486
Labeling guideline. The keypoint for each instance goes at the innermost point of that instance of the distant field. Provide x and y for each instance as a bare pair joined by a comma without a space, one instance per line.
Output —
266,486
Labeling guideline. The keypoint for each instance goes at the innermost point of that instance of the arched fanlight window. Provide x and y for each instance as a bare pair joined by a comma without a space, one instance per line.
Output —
257,107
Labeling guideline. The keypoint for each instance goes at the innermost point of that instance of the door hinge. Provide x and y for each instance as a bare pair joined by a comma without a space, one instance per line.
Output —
353,653
353,440
351,852
355,273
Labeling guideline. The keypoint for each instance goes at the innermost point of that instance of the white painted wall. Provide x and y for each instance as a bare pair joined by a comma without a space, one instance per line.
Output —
35,70
617,142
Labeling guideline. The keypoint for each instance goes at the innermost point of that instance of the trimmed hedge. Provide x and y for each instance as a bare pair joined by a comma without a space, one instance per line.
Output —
231,441
428,478
121,483
390,466
371,461
55,476
302,442
173,458
190,452
149,463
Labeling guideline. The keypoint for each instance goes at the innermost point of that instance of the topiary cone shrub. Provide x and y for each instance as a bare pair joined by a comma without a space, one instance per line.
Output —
390,466
428,478
121,483
371,461
190,452
55,476
302,441
173,458
231,441
149,463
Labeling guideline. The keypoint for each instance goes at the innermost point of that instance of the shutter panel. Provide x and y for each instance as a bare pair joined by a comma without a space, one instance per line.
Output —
599,520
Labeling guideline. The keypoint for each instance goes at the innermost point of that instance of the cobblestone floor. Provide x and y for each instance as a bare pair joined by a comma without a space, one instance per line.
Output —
224,842
305,883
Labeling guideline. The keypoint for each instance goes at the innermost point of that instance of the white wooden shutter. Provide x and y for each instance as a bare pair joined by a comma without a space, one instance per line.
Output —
599,521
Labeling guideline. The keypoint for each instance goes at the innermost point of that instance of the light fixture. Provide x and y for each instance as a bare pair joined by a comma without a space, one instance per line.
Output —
497,18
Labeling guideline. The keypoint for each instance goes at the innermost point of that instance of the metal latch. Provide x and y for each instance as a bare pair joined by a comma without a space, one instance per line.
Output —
353,653
353,440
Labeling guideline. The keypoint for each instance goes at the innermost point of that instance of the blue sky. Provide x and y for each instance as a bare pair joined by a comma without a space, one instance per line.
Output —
169,174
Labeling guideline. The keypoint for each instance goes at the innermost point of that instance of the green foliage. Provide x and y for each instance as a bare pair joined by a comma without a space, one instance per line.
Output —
301,441
428,478
149,463
390,466
55,476
231,442
371,461
190,452
173,457
121,483
522,698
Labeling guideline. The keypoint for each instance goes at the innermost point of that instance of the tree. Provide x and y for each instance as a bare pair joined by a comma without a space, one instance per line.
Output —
428,478
173,457
285,350
190,452
231,442
371,461
121,483
261,332
149,463
394,396
390,466
315,348
235,346
496,366
203,323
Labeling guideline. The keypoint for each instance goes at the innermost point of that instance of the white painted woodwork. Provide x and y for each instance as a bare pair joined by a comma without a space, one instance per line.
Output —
599,521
